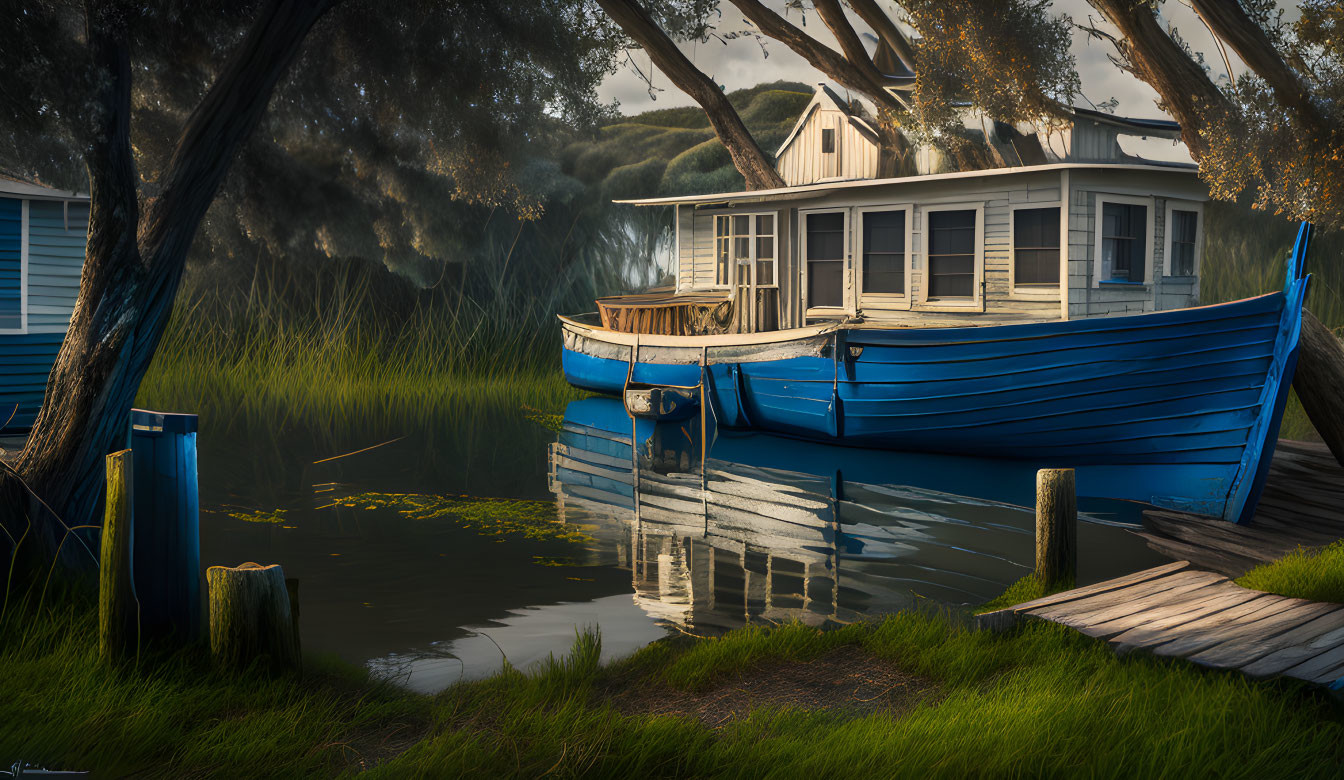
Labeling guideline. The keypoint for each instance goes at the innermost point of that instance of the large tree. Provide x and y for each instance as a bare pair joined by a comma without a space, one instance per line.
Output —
378,117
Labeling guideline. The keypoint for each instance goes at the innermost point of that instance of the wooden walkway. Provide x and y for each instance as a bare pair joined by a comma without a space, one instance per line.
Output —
1303,506
1175,610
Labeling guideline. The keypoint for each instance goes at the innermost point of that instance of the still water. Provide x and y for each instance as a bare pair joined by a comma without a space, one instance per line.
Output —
632,528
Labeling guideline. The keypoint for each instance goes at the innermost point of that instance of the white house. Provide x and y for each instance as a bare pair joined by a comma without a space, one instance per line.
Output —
1075,224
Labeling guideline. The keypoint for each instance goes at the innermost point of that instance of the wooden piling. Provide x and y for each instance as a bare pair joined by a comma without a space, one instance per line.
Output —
251,618
1056,527
118,610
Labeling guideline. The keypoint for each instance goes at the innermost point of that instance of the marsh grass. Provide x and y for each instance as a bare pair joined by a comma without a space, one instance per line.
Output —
1038,701
1317,575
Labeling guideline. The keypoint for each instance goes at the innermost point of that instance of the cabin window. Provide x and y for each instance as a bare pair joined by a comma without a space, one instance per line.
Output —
1184,230
1124,231
825,248
11,267
741,242
952,254
884,252
828,140
1036,247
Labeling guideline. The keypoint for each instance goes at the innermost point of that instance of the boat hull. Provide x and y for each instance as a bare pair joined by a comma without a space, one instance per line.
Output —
1187,401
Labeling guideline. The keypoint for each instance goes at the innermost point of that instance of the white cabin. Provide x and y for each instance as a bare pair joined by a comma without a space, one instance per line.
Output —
1073,225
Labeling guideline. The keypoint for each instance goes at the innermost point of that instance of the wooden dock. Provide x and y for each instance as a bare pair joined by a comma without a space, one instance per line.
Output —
1203,617
1302,506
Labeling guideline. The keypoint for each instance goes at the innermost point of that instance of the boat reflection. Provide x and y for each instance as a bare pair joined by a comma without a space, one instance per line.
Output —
755,527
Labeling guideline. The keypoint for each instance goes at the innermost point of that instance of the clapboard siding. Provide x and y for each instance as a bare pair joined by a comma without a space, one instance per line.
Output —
56,243
25,362
855,157
11,264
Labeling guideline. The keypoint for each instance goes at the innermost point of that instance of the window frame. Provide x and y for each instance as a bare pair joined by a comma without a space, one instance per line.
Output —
889,300
847,303
1037,291
976,301
1182,205
23,273
754,235
1102,199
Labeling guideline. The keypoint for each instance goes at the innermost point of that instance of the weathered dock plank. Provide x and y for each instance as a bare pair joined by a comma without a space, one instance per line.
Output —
1302,506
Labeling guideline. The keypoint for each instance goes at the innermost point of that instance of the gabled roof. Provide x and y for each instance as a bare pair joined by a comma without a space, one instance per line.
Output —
826,97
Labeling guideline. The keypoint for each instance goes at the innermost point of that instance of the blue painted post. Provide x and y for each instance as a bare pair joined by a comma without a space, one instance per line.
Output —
167,541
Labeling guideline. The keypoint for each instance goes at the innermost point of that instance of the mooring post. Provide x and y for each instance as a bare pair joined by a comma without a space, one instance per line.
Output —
118,610
251,618
1056,527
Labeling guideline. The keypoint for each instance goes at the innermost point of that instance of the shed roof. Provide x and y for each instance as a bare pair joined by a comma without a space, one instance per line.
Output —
10,185
822,188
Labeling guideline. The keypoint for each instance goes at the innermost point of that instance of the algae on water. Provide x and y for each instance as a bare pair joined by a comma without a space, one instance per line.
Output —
274,516
485,516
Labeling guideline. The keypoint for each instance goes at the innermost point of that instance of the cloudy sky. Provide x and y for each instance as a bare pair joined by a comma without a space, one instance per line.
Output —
740,63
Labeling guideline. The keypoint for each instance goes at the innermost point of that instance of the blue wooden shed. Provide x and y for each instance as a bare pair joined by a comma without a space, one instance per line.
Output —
43,232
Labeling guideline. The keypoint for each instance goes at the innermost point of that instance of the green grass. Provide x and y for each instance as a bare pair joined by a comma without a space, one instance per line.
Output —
1039,701
1029,588
1317,575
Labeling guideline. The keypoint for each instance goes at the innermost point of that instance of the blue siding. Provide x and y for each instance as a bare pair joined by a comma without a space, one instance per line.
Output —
55,261
25,362
11,236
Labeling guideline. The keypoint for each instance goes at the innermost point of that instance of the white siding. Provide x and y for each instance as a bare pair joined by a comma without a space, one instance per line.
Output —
802,161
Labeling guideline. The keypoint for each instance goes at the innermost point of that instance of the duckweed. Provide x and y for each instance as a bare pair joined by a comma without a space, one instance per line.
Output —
486,516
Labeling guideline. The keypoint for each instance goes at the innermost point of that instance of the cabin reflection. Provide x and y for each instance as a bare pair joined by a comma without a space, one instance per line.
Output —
760,528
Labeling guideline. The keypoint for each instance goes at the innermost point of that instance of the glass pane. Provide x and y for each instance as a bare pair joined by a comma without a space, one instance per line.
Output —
741,248
1182,259
952,285
1036,266
884,231
741,225
825,284
720,227
765,225
765,248
826,236
1183,226
951,232
1036,228
827,141
765,272
884,272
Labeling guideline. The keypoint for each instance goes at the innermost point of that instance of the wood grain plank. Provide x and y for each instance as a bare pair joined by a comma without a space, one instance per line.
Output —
1108,598
1180,609
1322,668
1142,637
1289,615
1286,658
1103,587
1197,581
1241,652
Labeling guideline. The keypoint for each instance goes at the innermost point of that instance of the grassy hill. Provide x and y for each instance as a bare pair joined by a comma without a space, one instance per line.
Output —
673,150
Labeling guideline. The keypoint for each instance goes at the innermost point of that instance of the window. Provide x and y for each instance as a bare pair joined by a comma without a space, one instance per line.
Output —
1036,247
952,254
1124,238
884,252
828,140
1183,229
741,241
825,252
11,265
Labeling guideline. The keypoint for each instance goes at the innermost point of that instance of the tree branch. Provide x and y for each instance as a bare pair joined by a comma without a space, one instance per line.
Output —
221,123
758,170
821,57
1229,22
887,30
1154,57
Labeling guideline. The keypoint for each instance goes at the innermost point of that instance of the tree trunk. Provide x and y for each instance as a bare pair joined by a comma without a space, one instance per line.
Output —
251,620
1319,381
133,267
758,170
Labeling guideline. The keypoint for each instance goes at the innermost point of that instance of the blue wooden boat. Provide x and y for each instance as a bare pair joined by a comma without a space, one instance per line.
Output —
1182,407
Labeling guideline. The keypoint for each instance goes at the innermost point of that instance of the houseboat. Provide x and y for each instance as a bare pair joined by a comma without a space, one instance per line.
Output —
42,239
1046,309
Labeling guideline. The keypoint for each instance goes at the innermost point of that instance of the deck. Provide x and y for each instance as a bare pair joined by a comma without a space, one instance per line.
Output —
1203,617
1302,506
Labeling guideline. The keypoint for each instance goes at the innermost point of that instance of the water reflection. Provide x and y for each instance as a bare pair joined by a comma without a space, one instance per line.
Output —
751,528
758,528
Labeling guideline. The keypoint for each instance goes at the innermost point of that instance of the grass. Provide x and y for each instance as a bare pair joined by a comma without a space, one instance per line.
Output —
1029,588
1317,575
1038,701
